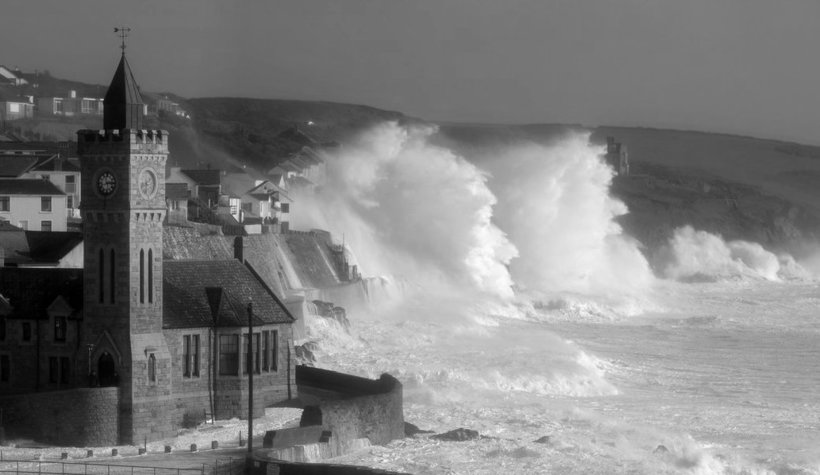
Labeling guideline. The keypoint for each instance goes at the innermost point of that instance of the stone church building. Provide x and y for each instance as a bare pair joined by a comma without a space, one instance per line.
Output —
159,340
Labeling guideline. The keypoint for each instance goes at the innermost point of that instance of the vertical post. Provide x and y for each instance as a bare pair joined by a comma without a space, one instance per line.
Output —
250,378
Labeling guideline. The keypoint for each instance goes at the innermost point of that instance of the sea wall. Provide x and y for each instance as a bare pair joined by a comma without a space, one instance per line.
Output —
84,417
352,407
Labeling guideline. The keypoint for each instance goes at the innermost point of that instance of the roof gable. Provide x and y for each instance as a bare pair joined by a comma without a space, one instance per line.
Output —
186,301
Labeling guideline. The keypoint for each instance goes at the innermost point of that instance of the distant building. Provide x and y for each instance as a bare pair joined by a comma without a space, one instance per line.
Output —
617,156
70,105
13,107
11,78
32,204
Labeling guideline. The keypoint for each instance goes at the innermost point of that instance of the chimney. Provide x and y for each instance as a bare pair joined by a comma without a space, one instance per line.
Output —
239,249
214,301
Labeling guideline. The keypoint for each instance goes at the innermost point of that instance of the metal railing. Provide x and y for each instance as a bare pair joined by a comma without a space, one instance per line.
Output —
227,466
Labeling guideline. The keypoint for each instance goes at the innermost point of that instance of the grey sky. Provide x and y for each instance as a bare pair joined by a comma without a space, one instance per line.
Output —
740,66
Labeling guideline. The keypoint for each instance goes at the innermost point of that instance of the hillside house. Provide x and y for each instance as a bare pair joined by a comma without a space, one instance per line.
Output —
46,160
32,204
70,105
14,107
11,77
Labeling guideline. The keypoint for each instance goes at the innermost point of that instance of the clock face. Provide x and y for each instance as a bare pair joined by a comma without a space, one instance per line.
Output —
147,183
106,184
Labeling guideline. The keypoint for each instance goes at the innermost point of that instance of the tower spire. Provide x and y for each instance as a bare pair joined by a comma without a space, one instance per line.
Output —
123,104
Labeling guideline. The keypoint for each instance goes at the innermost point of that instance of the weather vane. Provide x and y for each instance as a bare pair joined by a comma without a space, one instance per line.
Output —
123,33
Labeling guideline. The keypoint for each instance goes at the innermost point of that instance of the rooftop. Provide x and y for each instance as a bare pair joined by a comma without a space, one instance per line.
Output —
28,186
186,304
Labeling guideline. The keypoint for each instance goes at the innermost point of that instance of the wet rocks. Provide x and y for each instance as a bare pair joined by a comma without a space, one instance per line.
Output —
306,353
457,435
411,429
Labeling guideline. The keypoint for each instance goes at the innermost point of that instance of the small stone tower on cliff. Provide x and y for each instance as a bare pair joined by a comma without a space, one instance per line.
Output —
123,206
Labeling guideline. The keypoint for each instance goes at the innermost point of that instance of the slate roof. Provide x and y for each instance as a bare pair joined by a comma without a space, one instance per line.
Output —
123,102
28,186
176,191
15,165
204,177
43,247
55,163
185,302
31,290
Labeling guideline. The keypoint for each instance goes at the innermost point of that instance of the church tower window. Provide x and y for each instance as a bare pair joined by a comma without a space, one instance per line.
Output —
111,277
152,369
101,286
150,276
142,276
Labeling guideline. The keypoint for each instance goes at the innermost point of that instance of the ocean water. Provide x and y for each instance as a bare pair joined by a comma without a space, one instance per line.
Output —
507,299
720,377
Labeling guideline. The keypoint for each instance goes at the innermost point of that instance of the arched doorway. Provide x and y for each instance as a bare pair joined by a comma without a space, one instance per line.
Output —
106,370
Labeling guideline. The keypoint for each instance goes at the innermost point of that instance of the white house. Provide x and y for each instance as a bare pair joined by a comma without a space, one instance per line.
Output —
33,204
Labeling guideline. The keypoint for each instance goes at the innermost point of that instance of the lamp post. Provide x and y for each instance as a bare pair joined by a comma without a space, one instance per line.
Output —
250,378
90,347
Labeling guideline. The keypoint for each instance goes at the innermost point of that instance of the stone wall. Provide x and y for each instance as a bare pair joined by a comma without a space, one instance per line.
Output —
76,417
353,407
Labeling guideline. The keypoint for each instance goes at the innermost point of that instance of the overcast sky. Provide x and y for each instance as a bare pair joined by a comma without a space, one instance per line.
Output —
739,66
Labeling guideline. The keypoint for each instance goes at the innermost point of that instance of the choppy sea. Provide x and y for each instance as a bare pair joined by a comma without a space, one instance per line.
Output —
720,377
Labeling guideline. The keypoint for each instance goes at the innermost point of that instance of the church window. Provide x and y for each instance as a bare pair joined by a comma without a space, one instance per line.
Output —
5,368
65,370
111,273
45,204
152,368
228,354
26,331
45,226
101,272
2,328
265,350
5,203
254,354
53,369
274,347
59,328
142,276
191,355
150,276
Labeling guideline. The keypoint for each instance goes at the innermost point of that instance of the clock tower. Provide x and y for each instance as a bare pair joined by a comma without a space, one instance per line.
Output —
123,207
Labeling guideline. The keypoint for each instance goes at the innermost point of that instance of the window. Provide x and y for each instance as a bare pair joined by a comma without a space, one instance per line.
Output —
152,368
65,370
5,368
53,369
150,275
5,203
101,276
69,201
2,328
286,207
228,354
274,346
142,276
14,107
26,331
265,350
45,225
59,328
45,204
70,184
254,356
191,356
111,272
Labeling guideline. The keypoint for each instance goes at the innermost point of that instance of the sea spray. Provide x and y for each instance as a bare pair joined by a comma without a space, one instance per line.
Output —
691,255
